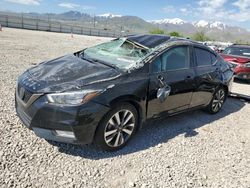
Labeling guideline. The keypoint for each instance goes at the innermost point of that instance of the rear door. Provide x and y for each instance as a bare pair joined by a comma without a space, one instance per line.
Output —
174,68
207,76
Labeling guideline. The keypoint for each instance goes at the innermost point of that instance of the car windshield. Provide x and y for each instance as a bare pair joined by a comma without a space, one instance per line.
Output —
240,51
121,53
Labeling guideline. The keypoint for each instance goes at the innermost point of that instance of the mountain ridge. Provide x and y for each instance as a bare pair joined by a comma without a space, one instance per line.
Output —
215,30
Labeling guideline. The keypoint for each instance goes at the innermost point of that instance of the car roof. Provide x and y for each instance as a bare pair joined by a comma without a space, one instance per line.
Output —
149,41
240,46
152,41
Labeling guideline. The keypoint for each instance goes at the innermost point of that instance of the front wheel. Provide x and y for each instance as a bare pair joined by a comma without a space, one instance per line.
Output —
217,101
117,127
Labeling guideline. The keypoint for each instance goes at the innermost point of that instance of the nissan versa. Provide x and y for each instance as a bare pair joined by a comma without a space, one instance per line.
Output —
103,94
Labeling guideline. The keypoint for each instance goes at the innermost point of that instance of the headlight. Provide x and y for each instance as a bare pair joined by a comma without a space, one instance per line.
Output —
73,98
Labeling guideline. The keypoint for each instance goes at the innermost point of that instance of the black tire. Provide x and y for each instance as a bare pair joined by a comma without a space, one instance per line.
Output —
110,130
217,101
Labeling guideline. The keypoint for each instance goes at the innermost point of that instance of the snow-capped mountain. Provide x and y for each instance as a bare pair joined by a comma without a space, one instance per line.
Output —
214,29
175,21
109,15
199,24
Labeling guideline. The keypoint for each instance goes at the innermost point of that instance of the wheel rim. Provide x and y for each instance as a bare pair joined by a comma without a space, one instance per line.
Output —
218,100
119,128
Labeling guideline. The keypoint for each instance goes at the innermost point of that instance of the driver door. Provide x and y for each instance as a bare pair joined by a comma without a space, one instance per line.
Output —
173,68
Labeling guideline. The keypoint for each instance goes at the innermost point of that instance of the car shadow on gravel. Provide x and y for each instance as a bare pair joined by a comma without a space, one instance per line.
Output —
156,132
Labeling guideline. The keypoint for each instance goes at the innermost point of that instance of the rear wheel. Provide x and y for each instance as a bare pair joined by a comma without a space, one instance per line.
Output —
117,127
217,101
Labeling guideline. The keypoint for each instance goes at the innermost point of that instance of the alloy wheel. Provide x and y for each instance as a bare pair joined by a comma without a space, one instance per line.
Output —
119,128
218,100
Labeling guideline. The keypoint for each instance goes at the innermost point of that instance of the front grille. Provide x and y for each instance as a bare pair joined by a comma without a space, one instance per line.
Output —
24,95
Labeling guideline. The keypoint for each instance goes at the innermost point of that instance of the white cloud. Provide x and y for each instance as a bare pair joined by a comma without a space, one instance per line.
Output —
86,7
231,12
244,11
187,9
242,4
218,10
68,5
25,2
242,16
212,8
184,10
212,3
169,9
73,6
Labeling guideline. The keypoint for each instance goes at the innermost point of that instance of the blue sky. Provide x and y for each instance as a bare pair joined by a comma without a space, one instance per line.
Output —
233,12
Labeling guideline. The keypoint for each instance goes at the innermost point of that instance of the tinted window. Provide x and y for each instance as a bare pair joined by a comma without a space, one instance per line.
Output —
204,57
157,65
214,58
175,58
240,51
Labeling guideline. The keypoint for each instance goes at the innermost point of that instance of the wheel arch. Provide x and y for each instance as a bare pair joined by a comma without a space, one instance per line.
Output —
222,85
130,99
137,102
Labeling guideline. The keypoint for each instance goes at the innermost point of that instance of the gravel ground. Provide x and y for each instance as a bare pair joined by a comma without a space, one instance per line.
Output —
241,87
190,150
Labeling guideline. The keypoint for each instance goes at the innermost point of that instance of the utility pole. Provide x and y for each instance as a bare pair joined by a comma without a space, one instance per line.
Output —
22,19
106,24
37,22
49,22
94,20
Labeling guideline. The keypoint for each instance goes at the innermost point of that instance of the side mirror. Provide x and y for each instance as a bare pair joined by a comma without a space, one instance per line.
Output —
163,93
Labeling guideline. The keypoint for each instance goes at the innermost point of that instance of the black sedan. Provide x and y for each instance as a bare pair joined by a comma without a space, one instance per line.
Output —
104,94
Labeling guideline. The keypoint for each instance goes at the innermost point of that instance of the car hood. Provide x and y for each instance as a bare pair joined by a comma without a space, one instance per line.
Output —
66,73
236,59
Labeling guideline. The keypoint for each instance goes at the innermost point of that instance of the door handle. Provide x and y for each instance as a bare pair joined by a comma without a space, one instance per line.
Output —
161,80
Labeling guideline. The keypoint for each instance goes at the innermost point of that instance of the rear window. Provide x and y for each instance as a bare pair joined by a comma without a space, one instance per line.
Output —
237,51
204,57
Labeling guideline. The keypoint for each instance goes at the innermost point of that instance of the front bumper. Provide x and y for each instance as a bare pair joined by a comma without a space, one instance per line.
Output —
242,72
45,119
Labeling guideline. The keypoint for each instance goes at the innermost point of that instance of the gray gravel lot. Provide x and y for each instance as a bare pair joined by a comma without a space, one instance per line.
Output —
194,149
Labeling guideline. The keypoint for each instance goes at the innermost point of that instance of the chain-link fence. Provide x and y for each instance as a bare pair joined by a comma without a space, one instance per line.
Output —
22,22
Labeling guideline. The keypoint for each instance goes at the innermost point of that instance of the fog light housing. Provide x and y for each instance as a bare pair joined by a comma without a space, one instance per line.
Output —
65,134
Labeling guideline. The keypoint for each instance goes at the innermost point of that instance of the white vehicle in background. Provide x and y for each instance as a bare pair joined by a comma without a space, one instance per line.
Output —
214,48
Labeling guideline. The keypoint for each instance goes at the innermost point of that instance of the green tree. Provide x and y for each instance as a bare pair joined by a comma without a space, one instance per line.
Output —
157,31
200,36
175,34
